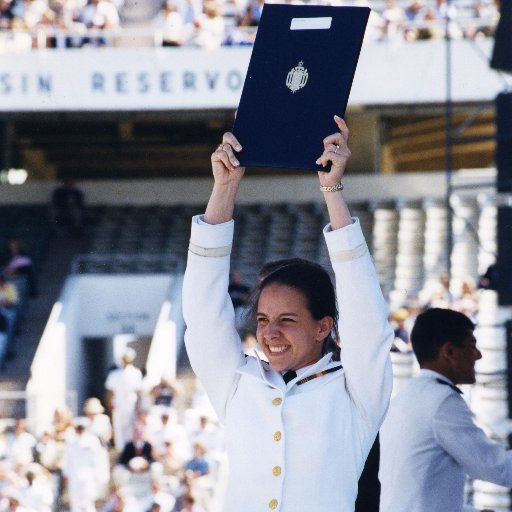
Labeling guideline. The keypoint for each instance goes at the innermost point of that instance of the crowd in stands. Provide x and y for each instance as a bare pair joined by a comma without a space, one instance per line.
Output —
438,294
210,24
170,461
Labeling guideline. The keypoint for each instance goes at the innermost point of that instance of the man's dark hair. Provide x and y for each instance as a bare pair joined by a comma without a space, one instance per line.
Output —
436,326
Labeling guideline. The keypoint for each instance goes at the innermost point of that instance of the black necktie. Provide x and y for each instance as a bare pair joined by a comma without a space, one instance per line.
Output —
289,375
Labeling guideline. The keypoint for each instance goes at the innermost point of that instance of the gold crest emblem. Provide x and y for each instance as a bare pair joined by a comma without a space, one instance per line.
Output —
297,78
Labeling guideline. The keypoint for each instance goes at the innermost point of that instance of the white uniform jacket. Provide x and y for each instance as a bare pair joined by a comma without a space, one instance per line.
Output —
429,443
291,447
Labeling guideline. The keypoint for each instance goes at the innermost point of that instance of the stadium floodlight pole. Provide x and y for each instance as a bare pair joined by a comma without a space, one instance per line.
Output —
448,139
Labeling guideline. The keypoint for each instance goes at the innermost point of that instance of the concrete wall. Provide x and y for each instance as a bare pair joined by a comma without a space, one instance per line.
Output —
295,188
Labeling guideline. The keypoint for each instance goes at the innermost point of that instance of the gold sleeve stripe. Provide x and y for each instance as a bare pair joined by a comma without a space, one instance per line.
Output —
215,252
352,254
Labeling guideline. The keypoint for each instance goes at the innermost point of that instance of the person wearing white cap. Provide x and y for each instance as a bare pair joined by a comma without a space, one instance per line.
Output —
99,422
123,395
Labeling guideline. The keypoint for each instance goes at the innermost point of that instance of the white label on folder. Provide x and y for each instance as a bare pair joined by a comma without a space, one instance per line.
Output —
311,23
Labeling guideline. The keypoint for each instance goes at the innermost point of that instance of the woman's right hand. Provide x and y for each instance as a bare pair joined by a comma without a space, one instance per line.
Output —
225,165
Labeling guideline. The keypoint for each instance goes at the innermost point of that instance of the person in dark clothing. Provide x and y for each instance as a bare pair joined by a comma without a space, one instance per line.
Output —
137,454
368,487
68,207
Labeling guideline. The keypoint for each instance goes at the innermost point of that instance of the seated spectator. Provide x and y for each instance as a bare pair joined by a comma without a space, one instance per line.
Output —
137,454
440,14
208,435
120,502
171,24
167,429
4,443
10,481
440,294
485,15
3,339
441,10
188,503
35,13
197,466
68,208
172,468
21,448
161,431
159,500
47,452
9,300
6,14
63,424
20,265
401,342
12,504
466,300
37,491
164,392
414,307
393,17
414,14
98,16
252,14
209,27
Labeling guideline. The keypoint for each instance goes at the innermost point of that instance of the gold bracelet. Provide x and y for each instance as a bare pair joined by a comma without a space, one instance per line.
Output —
333,188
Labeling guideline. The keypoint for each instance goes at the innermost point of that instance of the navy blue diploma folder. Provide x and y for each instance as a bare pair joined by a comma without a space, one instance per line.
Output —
300,73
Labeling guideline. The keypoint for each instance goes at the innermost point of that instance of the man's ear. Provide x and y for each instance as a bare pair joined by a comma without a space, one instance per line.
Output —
446,352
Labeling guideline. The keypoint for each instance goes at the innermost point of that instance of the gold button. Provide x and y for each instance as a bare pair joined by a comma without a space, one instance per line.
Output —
272,504
277,401
277,436
276,470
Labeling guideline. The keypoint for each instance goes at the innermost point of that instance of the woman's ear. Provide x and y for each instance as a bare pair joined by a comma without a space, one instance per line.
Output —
324,327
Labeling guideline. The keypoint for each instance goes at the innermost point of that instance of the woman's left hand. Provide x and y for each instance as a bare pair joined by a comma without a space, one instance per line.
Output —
336,152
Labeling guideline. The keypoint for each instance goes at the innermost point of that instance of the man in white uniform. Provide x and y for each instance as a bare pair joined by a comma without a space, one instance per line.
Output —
123,394
429,442
80,466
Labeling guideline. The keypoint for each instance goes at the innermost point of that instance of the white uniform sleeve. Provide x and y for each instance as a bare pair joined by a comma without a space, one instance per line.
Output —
213,344
479,457
365,333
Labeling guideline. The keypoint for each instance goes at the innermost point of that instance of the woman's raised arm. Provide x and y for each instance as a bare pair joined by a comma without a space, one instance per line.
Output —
227,174
336,152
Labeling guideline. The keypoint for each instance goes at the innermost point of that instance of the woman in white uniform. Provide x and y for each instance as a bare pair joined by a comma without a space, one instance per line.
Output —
296,445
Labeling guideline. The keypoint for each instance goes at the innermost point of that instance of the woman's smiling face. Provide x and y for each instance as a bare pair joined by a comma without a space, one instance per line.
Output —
287,332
